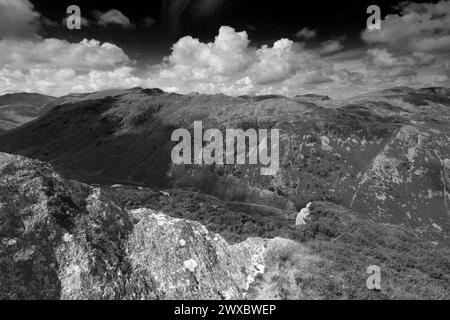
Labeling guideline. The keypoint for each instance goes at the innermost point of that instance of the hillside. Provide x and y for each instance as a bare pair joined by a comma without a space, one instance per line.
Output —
382,154
19,108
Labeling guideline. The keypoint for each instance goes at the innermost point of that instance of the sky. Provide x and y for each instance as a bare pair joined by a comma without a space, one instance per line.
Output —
234,47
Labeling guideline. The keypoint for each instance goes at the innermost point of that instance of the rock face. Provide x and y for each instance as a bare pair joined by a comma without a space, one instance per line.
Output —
61,239
187,261
446,182
446,169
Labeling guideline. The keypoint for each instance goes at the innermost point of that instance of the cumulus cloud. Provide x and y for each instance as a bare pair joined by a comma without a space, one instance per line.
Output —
441,43
231,65
57,67
53,66
383,59
60,82
18,19
280,62
423,27
113,17
306,33
411,44
227,55
346,77
54,53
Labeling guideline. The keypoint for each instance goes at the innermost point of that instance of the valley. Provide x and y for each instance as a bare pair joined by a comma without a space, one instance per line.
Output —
381,154
92,206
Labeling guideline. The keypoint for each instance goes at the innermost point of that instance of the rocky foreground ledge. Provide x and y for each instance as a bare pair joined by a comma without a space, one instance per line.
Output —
61,239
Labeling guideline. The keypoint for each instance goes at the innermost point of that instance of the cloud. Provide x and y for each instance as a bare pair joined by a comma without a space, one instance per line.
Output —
57,67
423,27
441,43
231,65
177,13
203,8
148,22
84,22
331,46
60,82
446,68
280,62
349,77
113,17
53,66
383,59
49,23
227,55
306,34
18,19
411,45
86,55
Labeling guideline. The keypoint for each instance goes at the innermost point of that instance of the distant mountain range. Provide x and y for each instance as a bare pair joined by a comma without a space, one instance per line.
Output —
382,154
19,108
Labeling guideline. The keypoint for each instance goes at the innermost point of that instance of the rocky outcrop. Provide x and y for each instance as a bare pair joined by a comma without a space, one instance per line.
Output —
186,261
446,182
60,239
446,169
303,215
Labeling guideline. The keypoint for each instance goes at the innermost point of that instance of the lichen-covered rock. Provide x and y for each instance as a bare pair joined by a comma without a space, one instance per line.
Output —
60,239
189,262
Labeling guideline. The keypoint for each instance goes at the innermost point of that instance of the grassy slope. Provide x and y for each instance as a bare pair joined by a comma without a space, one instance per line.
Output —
17,109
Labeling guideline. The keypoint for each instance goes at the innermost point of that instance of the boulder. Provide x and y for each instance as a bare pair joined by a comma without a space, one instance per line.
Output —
59,239
186,261
303,215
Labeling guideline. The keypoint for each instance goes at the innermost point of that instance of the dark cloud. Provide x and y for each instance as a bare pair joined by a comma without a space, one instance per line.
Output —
18,19
176,13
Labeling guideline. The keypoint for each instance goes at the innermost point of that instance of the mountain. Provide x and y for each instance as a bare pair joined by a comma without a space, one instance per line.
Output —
62,239
382,154
19,108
